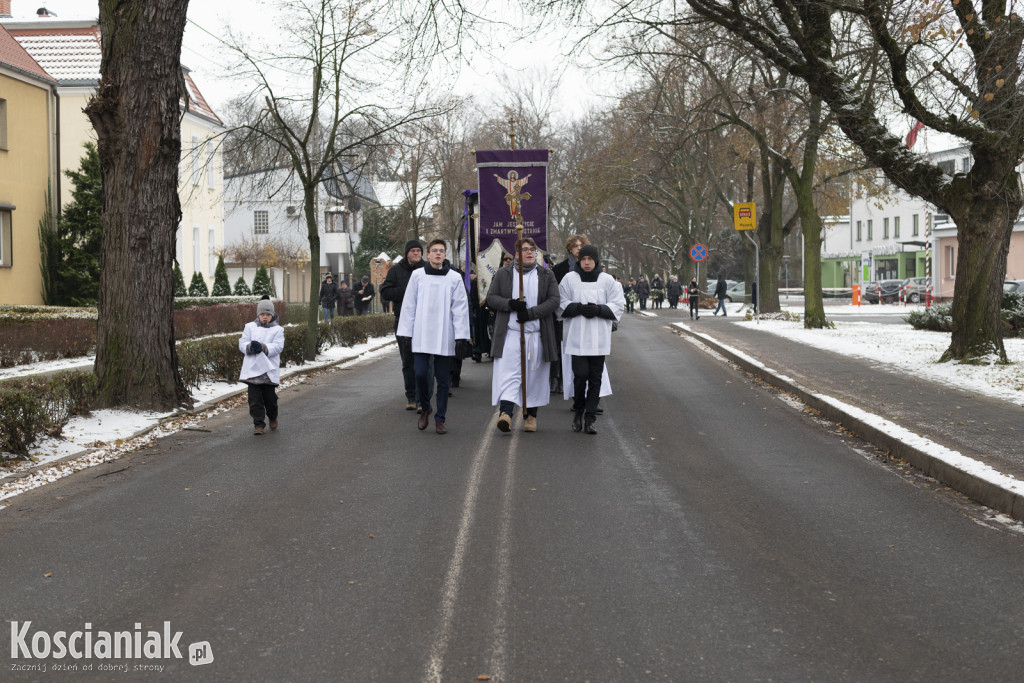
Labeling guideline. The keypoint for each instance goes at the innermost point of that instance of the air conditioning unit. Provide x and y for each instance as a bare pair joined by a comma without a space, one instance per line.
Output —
291,210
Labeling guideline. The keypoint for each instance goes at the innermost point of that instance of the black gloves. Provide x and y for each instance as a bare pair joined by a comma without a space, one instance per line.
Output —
517,305
463,349
590,310
572,310
522,317
604,312
254,348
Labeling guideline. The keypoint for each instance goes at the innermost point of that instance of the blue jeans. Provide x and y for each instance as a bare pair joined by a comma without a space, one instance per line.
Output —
721,307
328,313
442,375
409,373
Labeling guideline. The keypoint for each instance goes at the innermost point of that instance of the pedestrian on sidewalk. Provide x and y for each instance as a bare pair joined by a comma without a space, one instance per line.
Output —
393,290
721,292
643,292
657,291
694,291
435,317
674,291
364,294
535,314
346,300
262,341
591,301
629,294
328,295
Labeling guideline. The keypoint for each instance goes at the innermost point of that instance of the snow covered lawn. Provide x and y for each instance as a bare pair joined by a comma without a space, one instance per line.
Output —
904,349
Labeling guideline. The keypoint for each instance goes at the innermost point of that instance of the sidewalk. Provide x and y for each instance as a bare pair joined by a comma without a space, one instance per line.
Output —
970,442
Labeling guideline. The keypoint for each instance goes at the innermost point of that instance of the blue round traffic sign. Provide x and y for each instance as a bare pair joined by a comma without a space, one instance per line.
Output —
698,252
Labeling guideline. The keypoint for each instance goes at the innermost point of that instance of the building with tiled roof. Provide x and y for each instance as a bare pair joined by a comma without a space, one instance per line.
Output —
27,168
69,50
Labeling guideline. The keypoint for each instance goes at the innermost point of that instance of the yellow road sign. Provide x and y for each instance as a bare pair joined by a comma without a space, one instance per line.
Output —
744,216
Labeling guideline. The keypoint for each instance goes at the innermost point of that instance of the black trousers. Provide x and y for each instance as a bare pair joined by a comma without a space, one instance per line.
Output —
694,310
587,371
509,408
262,403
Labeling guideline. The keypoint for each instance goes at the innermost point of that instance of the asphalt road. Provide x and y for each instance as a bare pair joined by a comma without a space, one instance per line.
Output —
710,531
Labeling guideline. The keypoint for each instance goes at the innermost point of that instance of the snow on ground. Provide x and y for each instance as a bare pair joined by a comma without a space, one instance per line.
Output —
902,348
111,433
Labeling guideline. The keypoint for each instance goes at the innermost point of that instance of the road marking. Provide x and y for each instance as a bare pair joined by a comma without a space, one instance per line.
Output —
499,634
453,578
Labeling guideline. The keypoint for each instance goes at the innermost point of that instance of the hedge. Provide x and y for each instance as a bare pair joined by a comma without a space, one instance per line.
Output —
42,405
939,319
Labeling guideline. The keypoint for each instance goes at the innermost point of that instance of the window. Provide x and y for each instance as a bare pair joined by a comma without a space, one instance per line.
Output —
6,261
950,262
858,231
211,244
209,168
917,225
196,262
896,227
195,160
3,125
871,230
948,167
179,245
260,223
885,228
966,164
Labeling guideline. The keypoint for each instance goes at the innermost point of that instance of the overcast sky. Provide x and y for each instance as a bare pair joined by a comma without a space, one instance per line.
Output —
203,55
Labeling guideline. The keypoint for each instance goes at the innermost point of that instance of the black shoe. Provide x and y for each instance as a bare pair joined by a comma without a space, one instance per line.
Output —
454,383
476,357
598,410
577,422
588,428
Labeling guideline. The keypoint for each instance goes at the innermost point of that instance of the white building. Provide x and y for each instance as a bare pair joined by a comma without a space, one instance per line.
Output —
69,50
268,207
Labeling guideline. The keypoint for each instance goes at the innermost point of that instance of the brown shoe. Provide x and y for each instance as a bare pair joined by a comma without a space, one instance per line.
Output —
441,429
504,422
530,424
273,424
257,431
423,420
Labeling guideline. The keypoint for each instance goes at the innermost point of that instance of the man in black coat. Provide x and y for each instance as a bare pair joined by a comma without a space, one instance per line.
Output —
364,295
393,290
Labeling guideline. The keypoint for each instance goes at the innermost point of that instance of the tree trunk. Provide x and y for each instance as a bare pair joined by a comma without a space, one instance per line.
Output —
983,230
313,233
136,115
771,237
810,227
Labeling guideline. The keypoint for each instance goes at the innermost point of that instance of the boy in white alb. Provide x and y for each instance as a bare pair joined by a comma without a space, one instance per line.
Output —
435,315
590,300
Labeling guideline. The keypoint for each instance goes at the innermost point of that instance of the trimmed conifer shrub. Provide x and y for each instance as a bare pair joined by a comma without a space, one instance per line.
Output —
179,281
221,286
242,289
198,286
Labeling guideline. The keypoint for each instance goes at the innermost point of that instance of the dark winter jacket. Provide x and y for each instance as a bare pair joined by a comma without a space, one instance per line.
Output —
346,301
694,291
657,283
548,299
643,290
361,292
328,293
560,270
721,288
395,283
674,290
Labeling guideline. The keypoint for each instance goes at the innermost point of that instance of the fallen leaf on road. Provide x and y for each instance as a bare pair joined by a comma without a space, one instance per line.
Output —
47,575
372,536
483,678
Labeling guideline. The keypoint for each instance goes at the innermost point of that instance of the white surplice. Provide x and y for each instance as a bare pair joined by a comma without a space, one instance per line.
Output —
435,312
506,378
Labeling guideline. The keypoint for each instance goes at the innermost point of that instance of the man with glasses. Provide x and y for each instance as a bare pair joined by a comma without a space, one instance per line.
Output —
533,317
435,316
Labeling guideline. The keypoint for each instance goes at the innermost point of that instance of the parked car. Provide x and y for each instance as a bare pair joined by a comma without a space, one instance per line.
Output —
915,289
736,292
890,291
1013,286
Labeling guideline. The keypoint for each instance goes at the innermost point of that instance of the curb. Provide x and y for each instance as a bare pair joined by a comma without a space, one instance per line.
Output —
998,491
214,403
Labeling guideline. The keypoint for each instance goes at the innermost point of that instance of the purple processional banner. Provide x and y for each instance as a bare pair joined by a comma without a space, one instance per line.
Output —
512,183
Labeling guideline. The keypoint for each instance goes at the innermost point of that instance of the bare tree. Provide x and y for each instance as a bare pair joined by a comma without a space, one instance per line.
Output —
336,115
135,113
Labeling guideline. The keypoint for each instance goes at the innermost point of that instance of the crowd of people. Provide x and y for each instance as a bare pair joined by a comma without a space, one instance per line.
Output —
554,327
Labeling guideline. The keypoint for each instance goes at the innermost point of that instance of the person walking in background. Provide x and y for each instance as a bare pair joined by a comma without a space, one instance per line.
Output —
674,290
393,290
591,301
479,317
629,294
262,341
643,292
657,291
694,291
721,292
328,297
435,317
364,294
346,300
535,315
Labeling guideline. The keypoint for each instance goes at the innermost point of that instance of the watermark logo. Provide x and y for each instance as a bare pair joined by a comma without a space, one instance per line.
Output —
87,643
